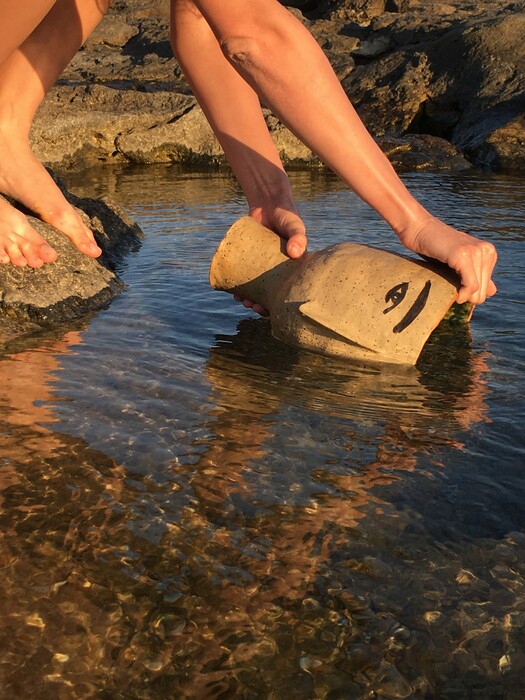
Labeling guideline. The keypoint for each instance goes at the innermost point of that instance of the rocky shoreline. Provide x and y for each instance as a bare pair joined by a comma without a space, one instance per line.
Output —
441,85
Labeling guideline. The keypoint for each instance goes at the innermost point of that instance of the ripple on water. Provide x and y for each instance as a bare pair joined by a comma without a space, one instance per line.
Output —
192,509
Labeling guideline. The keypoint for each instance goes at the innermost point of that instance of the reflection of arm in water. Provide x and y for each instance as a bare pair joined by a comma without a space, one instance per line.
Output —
271,515
282,62
278,520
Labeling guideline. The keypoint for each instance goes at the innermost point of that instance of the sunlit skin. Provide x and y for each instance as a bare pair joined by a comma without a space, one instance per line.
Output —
26,393
26,74
234,54
281,62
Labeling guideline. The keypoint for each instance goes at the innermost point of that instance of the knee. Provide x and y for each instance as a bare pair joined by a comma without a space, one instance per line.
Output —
242,51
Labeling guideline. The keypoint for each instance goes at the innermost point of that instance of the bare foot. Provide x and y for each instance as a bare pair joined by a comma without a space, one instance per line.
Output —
25,179
19,243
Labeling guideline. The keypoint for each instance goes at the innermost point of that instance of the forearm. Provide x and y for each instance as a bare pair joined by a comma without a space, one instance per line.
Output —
283,63
230,105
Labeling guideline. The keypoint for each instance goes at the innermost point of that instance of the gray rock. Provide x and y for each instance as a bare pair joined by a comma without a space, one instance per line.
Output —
451,70
388,93
463,80
491,91
360,10
423,152
371,48
189,139
113,32
33,300
83,125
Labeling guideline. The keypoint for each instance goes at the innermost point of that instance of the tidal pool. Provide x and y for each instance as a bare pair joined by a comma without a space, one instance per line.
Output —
190,509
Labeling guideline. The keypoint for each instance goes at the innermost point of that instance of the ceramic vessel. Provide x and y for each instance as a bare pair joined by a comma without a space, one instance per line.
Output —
348,300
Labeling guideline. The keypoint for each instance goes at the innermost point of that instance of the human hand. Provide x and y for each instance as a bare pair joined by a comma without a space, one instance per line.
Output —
471,258
286,222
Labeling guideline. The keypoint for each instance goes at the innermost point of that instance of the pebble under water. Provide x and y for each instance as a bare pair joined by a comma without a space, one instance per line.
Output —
191,509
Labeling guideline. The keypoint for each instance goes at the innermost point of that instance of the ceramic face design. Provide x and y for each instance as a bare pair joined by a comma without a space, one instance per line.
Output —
383,304
348,299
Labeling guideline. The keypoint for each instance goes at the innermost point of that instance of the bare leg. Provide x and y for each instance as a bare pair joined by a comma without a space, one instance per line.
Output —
18,21
234,112
25,77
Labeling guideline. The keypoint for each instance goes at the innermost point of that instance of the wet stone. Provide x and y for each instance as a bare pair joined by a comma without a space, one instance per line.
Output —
33,300
389,683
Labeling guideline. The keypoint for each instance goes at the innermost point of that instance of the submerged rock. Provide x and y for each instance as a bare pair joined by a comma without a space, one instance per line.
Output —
33,300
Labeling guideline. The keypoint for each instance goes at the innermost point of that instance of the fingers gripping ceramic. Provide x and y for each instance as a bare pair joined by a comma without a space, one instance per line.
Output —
348,300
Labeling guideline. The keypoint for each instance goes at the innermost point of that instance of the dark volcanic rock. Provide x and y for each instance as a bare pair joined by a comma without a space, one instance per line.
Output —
359,10
490,91
423,152
74,285
462,78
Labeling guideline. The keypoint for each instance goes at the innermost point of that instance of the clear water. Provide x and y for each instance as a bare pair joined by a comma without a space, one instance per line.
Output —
190,509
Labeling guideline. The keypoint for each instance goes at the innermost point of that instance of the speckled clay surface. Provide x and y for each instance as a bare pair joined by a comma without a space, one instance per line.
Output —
347,300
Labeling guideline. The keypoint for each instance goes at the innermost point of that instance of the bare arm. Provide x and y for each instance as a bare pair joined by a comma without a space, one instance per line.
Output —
283,64
233,109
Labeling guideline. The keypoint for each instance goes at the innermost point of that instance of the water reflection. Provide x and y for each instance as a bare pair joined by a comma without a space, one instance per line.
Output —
25,394
196,516
272,562
155,185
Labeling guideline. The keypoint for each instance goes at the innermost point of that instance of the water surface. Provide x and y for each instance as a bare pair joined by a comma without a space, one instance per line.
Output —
190,508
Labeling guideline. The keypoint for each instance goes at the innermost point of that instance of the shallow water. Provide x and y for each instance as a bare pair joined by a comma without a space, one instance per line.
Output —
190,509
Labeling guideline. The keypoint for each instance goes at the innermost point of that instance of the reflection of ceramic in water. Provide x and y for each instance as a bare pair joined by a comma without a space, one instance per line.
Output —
348,300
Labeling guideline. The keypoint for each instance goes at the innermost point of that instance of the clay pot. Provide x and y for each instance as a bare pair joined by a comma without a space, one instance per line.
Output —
347,300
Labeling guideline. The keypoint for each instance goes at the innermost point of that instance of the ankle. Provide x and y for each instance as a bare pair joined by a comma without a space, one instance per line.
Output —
14,121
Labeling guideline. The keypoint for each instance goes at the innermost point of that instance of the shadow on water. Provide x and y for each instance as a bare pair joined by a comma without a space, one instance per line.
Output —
306,552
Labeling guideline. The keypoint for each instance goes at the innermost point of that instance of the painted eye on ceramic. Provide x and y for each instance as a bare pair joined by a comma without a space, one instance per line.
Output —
395,296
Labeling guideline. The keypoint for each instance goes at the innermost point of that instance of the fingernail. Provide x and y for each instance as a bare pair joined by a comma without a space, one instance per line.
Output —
295,250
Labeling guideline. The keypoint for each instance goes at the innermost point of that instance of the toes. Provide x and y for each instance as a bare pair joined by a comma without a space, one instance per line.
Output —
68,222
19,243
253,306
50,204
83,239
15,254
260,310
46,253
31,254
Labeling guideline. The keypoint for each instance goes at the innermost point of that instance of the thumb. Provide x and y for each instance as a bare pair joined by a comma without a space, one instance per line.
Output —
296,244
